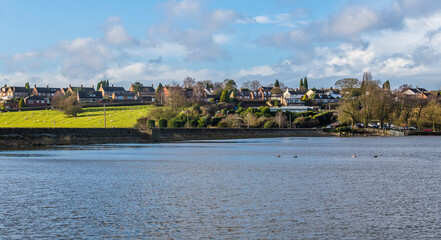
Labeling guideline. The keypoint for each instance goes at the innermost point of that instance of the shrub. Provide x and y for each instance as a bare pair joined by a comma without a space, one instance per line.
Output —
162,123
176,124
223,124
270,124
203,122
239,105
151,123
215,121
21,104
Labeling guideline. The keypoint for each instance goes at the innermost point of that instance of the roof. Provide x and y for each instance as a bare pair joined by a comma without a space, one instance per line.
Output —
19,89
88,94
113,89
146,90
46,90
88,89
124,93
295,92
35,97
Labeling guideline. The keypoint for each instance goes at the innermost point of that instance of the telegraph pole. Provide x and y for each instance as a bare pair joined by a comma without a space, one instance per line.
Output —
104,115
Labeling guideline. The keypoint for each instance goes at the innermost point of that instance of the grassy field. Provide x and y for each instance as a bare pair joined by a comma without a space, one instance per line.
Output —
118,117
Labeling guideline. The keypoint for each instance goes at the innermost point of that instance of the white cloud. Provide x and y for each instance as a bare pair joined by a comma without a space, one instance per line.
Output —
264,70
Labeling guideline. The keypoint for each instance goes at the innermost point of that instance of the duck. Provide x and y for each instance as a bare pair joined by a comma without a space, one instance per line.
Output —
278,156
375,156
354,156
295,156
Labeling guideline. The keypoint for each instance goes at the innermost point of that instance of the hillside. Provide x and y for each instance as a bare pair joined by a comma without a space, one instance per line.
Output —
118,117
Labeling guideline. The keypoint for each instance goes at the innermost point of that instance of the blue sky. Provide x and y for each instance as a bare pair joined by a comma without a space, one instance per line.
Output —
81,42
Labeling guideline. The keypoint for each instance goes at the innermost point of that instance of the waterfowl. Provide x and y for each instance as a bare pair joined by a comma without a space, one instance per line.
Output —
354,156
375,156
295,156
278,156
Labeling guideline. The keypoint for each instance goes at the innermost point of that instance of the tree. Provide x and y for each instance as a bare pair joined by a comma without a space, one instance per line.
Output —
383,106
301,83
276,84
21,104
160,94
348,110
189,82
136,87
230,84
432,112
255,85
176,98
71,106
305,84
198,92
28,88
368,98
386,85
102,83
225,96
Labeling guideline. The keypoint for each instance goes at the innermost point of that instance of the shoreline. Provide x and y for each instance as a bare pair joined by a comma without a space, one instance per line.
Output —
40,138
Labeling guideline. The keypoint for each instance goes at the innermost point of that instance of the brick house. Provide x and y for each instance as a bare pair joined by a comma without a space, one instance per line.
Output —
36,101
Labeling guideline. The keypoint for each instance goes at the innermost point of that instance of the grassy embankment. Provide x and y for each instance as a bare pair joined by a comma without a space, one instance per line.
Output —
117,117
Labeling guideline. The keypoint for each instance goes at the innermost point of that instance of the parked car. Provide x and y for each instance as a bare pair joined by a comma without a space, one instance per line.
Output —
412,128
427,130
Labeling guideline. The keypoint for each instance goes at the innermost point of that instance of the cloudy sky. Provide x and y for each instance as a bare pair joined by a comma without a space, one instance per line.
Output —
81,42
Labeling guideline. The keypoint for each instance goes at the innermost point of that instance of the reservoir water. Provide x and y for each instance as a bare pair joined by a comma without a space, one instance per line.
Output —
235,189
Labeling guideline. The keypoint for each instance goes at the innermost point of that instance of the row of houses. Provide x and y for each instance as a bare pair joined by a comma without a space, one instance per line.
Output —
41,96
289,96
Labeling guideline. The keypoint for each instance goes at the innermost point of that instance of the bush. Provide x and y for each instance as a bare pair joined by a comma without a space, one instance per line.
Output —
176,124
223,124
151,123
239,105
270,124
21,104
203,122
215,121
162,123
305,122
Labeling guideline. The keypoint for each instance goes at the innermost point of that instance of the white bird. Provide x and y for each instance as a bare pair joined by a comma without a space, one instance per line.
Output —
354,156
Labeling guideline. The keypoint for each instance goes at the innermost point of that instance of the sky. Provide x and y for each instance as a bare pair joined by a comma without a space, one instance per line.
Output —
57,43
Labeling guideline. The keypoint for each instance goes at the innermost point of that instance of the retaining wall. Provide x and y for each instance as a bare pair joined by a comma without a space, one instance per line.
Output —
182,134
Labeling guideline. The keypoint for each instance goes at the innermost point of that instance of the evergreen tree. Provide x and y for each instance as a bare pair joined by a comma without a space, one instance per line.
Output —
28,88
224,96
305,83
21,104
276,84
386,85
301,83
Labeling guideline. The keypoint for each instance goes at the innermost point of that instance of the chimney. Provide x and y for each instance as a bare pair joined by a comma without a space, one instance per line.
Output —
70,86
152,84
81,85
93,86
47,86
112,85
35,85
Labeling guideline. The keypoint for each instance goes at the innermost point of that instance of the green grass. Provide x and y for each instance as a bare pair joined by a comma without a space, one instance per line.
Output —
117,117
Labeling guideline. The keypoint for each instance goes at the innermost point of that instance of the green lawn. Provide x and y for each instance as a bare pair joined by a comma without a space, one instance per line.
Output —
118,117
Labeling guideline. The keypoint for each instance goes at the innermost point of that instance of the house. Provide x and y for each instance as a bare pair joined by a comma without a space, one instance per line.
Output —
292,97
84,96
325,95
242,95
414,91
144,93
44,91
210,95
4,92
36,101
324,99
81,88
124,96
107,92
264,93
16,92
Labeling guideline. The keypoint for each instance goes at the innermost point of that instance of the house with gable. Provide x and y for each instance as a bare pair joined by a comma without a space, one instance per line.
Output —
44,91
107,92
292,97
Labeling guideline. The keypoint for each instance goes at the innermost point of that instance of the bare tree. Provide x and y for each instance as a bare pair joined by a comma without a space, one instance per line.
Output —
176,98
189,82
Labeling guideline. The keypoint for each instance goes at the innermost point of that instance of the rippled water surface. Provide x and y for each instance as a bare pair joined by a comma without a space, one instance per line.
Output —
226,189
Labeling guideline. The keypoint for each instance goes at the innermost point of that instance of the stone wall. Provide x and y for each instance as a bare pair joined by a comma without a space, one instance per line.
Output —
182,134
30,137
